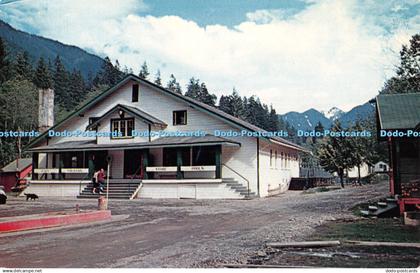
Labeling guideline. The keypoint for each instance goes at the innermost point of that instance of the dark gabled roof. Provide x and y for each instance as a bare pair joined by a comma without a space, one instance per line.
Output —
398,111
11,167
147,118
193,103
182,141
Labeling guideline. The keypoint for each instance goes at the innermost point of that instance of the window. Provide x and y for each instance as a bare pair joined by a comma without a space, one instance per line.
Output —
170,156
92,120
281,160
205,155
271,158
275,159
180,117
74,161
135,93
123,127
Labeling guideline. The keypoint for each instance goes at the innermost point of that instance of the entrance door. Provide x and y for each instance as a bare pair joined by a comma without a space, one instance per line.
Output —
96,160
133,160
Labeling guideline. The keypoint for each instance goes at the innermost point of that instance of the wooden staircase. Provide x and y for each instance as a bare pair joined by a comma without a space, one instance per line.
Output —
381,208
118,189
238,187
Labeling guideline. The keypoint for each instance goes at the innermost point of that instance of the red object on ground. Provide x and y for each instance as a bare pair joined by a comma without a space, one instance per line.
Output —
46,220
407,201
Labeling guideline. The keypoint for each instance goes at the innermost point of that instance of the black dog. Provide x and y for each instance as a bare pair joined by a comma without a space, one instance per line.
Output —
31,196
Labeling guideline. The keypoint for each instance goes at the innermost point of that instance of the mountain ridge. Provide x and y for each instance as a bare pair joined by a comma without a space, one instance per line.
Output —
71,56
308,119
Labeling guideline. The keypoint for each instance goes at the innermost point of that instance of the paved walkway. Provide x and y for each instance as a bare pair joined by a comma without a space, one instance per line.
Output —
174,233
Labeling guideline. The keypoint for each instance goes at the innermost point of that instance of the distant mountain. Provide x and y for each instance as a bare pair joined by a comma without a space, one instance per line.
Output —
36,46
310,118
333,114
359,112
306,120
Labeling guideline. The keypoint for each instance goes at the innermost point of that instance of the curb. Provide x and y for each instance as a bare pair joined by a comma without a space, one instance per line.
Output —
47,220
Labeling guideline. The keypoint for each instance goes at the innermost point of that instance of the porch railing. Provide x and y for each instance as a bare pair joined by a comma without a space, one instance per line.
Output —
187,169
57,171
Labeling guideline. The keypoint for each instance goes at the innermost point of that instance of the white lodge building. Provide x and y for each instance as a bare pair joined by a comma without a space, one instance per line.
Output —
156,166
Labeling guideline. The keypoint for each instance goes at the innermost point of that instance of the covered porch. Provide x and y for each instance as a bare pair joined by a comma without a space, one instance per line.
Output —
163,160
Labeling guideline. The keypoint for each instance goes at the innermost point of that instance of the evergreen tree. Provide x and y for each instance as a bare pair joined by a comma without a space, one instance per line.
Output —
109,74
22,66
273,120
144,71
318,129
158,79
199,92
252,111
62,84
77,89
237,104
407,79
225,104
173,85
193,88
42,77
4,62
205,96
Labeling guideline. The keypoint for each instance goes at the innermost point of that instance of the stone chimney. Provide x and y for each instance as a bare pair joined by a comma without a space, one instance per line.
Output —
45,109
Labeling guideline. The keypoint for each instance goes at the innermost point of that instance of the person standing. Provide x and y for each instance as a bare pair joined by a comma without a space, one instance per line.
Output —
95,183
101,179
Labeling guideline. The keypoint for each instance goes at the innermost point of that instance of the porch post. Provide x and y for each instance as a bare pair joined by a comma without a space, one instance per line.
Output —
145,163
179,163
218,161
60,165
35,160
53,165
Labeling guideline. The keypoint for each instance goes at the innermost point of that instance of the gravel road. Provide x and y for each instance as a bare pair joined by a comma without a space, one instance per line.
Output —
174,233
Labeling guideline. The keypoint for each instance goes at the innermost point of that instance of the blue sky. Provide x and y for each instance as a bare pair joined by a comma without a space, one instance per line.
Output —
292,54
223,12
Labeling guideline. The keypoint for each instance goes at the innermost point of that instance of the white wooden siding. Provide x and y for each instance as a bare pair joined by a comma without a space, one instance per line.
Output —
243,160
276,177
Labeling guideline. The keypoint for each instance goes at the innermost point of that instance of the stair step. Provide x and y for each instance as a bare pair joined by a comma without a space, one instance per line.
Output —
372,208
382,204
391,200
239,187
104,194
365,212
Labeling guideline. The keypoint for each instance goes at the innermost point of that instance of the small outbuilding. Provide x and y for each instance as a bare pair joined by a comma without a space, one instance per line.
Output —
15,173
381,167
398,123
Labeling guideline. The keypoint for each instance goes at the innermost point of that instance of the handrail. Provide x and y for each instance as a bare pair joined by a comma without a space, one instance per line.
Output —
80,183
247,181
132,177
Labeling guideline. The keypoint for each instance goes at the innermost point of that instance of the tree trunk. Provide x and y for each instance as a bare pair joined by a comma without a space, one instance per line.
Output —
341,174
358,175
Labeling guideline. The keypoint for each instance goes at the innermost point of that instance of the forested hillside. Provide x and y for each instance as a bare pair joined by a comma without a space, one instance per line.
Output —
36,47
21,77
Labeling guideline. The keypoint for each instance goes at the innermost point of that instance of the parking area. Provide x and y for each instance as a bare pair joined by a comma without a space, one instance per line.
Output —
174,233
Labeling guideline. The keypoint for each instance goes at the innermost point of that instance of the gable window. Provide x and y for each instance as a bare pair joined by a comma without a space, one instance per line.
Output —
180,117
92,120
123,127
135,93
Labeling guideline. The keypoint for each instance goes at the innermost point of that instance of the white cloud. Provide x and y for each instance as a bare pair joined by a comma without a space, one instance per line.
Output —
326,55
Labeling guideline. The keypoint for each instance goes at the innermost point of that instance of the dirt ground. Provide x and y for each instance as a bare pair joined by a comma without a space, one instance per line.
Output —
175,233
